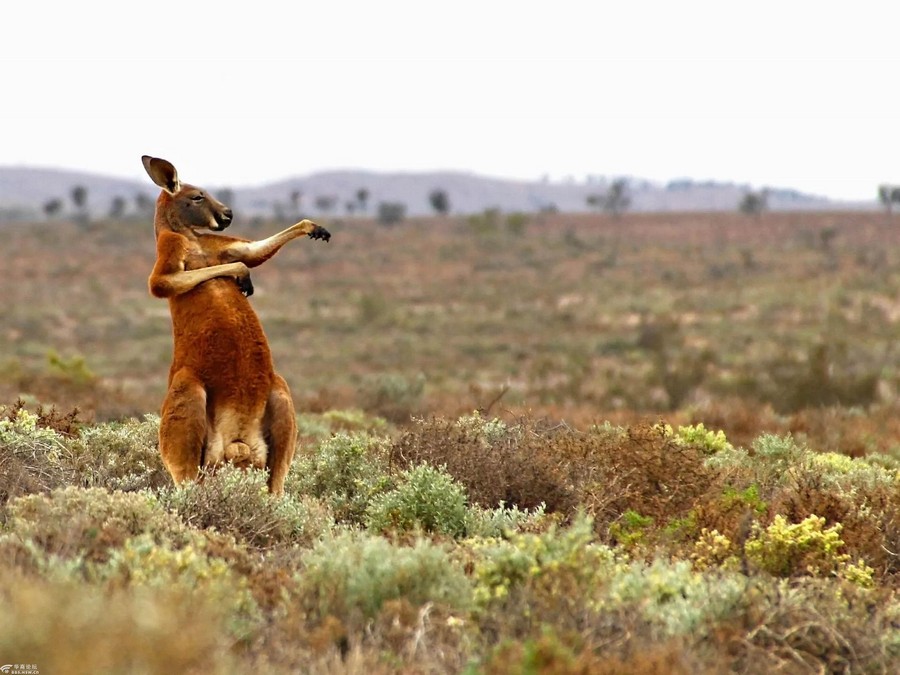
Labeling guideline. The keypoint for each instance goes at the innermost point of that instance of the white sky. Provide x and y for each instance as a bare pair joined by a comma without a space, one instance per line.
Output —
786,94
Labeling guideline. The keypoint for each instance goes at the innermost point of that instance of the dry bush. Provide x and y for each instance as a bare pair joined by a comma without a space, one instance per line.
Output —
89,523
77,629
497,465
64,423
30,455
237,502
401,638
47,450
605,471
866,513
549,654
811,626
17,478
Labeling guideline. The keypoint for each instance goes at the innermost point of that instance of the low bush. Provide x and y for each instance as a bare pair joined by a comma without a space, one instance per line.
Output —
606,471
425,498
393,397
89,524
786,549
502,521
118,455
46,451
30,459
191,572
237,502
79,629
811,626
354,574
345,471
558,565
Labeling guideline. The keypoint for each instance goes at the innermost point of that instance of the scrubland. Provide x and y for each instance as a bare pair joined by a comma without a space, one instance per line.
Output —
555,444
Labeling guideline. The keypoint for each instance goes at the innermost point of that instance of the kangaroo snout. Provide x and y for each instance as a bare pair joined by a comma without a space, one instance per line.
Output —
224,218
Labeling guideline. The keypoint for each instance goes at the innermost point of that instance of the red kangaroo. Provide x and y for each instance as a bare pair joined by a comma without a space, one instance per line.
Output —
225,403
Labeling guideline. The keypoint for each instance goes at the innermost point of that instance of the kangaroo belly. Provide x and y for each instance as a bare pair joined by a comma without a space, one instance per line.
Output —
218,336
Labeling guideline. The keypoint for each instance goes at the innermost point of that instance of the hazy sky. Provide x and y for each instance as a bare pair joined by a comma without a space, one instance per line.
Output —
786,94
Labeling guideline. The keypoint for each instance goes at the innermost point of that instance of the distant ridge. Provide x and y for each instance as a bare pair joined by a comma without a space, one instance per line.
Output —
25,191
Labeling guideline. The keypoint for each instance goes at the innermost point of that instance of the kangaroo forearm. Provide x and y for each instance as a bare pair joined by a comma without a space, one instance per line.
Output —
176,283
253,253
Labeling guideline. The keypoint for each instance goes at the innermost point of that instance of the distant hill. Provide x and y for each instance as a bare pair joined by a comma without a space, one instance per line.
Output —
25,191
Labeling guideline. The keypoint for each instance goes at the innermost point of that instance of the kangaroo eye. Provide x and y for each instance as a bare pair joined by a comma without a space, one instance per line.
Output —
197,198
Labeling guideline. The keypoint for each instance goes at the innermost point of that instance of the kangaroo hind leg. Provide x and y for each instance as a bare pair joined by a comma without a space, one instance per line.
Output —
183,427
280,430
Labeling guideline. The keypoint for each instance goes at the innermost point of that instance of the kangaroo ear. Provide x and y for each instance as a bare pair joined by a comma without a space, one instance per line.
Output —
162,173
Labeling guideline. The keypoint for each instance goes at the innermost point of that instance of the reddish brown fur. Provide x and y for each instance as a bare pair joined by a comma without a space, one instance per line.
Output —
224,402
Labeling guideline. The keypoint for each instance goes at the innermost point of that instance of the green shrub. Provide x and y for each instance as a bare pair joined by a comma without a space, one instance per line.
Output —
30,460
502,520
855,476
709,441
425,498
712,550
779,451
765,465
345,472
673,597
484,223
747,498
807,548
118,455
73,369
558,564
88,524
352,575
516,222
630,529
237,502
190,571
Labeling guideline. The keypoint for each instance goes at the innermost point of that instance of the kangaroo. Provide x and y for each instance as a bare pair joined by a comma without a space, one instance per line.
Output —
225,403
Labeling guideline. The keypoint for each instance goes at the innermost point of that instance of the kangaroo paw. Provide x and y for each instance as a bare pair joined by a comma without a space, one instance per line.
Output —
320,232
245,285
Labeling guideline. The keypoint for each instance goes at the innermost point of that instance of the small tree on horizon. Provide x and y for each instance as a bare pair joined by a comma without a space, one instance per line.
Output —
754,203
52,207
325,203
617,200
362,196
79,199
439,201
391,213
889,195
117,207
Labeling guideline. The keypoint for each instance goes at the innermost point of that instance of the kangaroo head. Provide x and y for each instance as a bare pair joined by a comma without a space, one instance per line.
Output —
182,207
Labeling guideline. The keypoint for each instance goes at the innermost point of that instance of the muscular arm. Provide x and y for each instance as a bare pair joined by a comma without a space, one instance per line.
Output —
253,253
169,277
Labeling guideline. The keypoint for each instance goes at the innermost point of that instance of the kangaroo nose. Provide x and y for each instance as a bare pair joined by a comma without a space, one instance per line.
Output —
227,216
